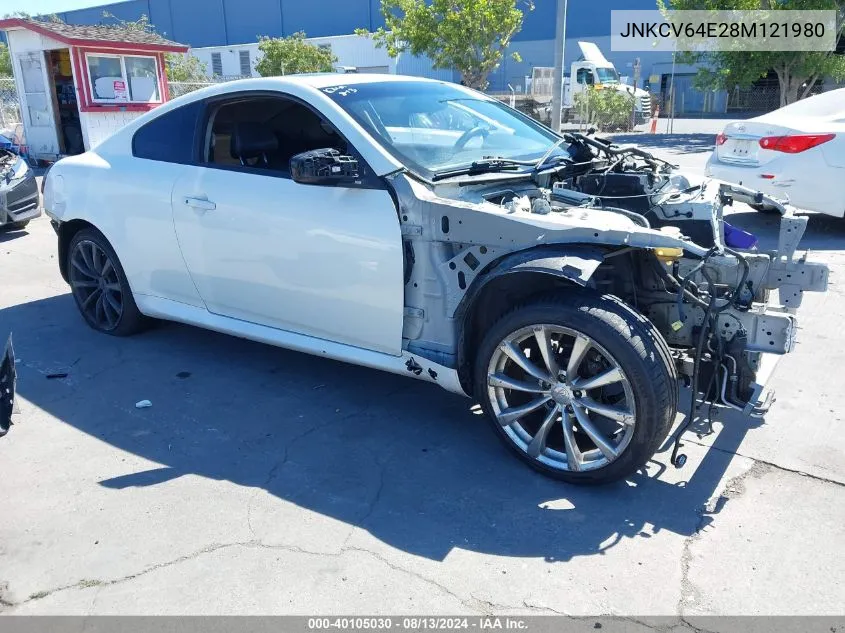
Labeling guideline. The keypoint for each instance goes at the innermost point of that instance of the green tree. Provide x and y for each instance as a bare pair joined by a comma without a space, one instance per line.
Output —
141,24
606,109
5,61
293,54
185,68
470,36
798,72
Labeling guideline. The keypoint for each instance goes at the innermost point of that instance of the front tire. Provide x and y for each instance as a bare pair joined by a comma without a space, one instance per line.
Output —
99,286
579,386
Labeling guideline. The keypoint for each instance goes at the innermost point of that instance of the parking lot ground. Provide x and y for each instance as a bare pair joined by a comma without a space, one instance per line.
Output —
266,481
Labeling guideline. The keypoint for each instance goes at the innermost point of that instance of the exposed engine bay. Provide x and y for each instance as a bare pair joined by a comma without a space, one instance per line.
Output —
666,250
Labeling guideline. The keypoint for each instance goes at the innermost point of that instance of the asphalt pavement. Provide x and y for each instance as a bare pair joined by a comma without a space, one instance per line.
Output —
267,481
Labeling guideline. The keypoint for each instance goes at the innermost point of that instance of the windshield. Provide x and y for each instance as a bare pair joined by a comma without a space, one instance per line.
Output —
432,127
607,75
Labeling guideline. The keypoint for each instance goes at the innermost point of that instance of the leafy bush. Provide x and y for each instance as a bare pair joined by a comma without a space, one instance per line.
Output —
606,108
291,55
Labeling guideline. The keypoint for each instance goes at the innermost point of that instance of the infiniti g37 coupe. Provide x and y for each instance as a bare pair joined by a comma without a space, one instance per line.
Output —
423,228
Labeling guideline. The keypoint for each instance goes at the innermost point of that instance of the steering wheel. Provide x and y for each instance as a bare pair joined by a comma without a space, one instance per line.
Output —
469,135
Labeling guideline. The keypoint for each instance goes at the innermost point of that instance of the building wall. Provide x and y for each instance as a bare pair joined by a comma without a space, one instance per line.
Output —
350,50
201,23
98,126
223,22
234,23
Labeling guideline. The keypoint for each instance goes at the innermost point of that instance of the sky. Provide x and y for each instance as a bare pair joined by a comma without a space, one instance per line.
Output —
36,7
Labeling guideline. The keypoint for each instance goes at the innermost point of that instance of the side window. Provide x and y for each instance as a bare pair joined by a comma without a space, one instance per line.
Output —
584,76
170,136
264,133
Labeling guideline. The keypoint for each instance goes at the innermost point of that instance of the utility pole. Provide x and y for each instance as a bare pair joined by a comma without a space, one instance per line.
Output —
636,68
557,77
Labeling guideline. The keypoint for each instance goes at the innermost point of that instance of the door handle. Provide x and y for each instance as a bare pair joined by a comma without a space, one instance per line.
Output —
202,204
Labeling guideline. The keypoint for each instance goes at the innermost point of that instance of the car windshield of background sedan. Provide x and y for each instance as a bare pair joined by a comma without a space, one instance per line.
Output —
432,127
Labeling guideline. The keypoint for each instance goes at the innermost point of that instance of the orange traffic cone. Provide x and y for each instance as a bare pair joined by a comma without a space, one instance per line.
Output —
653,129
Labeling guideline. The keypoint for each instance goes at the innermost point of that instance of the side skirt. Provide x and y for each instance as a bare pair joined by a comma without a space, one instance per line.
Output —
406,364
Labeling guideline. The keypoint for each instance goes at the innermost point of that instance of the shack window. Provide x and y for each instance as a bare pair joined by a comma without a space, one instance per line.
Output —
123,78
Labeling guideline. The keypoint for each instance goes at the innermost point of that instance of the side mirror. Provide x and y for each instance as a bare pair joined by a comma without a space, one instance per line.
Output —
325,166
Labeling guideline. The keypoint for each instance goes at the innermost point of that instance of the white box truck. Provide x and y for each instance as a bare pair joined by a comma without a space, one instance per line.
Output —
593,69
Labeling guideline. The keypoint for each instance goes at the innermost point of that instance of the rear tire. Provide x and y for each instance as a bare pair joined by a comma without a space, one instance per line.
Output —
99,286
611,392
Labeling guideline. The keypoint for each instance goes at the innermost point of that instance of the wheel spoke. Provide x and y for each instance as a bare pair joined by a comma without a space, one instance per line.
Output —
115,287
100,309
573,453
623,416
506,382
607,449
84,284
86,259
113,303
515,354
579,350
92,297
544,342
107,268
83,268
509,416
538,444
95,259
606,378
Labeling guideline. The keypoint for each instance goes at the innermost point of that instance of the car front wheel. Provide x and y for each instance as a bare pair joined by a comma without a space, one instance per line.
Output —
99,285
578,385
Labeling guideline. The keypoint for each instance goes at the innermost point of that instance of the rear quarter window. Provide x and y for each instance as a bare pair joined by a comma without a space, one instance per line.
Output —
169,137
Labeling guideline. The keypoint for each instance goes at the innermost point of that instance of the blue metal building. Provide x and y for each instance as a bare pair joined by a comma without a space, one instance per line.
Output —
228,22
201,23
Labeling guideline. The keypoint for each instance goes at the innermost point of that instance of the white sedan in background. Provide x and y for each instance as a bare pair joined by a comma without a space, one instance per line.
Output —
796,153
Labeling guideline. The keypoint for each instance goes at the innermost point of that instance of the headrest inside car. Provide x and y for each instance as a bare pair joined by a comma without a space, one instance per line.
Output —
252,140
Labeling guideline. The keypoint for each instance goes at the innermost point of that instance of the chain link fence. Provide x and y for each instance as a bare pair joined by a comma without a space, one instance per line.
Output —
179,88
10,111
754,100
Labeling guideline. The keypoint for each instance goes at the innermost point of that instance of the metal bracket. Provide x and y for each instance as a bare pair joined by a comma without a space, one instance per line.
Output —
411,229
791,231
414,313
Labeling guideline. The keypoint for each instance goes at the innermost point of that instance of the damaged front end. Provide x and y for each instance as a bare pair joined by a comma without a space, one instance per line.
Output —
620,221
19,197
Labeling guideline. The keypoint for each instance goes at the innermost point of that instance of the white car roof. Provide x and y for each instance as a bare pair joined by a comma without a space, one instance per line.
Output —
321,80
307,87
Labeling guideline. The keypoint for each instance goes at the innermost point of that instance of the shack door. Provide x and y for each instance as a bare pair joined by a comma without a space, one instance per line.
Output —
37,106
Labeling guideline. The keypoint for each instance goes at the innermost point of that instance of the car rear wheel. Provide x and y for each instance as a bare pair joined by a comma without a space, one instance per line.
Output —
99,286
578,385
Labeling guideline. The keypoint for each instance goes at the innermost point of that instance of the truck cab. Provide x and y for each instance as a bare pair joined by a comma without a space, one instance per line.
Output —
593,69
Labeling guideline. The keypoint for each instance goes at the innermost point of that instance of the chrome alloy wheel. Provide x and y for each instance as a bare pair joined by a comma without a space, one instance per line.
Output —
96,286
561,397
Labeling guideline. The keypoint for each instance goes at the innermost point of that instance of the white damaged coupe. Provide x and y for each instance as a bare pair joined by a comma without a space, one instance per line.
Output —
425,229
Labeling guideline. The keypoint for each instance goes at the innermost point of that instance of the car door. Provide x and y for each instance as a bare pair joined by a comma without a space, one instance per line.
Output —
324,261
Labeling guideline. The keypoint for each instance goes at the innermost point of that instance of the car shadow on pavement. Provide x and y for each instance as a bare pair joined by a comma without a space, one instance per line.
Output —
8,236
409,463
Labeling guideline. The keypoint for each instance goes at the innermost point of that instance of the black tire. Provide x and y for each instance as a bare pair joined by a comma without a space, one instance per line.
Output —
15,226
130,320
637,346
